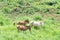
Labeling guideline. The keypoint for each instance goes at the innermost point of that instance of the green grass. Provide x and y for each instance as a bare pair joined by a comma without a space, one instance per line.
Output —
29,6
51,30
47,11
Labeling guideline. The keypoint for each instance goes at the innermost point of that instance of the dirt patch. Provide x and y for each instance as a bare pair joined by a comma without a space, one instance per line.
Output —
55,16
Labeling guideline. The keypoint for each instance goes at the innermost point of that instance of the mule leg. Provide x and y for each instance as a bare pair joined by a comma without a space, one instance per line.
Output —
35,27
29,29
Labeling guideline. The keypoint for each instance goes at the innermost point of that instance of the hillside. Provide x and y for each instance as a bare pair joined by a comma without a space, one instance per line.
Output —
12,11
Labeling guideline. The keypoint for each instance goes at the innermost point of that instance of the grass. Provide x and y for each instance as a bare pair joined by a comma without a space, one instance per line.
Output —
29,6
51,30
47,11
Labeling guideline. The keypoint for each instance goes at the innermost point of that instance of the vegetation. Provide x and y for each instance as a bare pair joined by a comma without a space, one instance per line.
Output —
47,11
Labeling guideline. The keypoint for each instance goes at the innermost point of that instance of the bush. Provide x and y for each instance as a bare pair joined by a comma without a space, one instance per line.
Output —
6,10
58,12
37,18
50,3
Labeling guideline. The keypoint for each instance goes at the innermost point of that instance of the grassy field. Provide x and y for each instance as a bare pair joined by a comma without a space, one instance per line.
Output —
47,11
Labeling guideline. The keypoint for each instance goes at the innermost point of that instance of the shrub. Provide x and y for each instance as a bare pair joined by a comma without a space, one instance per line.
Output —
37,18
50,3
58,12
6,10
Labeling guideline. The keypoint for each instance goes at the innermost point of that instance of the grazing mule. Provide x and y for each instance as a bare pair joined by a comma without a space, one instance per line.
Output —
23,22
36,24
23,28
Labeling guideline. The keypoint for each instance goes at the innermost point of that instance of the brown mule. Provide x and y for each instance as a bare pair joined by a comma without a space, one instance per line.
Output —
23,22
23,28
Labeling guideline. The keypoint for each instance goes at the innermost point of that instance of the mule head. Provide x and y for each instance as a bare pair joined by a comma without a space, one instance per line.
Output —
31,23
28,27
27,21
18,23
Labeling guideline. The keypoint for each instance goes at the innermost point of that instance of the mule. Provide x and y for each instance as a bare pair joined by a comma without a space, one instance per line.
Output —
23,22
36,24
23,28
